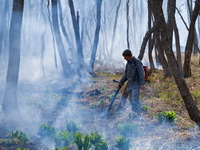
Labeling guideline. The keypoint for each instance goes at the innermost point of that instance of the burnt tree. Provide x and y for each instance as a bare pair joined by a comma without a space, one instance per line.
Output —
190,104
10,104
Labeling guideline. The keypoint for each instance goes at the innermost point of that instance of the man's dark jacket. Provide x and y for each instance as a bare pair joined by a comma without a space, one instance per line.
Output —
134,74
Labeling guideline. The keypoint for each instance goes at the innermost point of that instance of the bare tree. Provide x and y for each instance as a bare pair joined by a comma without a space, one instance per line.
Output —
195,44
46,9
190,104
127,22
114,28
151,40
3,24
173,27
60,46
10,104
145,40
161,54
75,21
96,38
64,31
190,41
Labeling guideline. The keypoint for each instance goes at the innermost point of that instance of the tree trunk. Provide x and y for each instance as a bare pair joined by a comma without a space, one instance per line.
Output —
127,20
53,34
43,40
60,46
42,52
190,41
173,27
190,104
114,28
10,104
195,45
177,40
77,34
161,55
64,29
145,40
151,45
96,38
3,25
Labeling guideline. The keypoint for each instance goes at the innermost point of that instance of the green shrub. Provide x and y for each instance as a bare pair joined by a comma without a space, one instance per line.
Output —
20,136
71,126
22,149
128,129
166,116
122,143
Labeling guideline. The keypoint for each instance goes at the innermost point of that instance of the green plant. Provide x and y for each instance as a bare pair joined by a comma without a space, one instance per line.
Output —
86,144
47,131
196,94
71,126
128,129
95,138
78,140
64,138
82,142
146,108
22,149
20,136
122,143
166,116
101,145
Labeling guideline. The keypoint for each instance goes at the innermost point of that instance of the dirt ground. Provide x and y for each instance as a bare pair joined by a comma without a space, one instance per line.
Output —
55,101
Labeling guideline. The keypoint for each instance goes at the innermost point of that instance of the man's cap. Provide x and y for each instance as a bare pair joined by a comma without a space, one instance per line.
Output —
127,52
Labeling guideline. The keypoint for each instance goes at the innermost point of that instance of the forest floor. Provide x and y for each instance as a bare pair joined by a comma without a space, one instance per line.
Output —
54,102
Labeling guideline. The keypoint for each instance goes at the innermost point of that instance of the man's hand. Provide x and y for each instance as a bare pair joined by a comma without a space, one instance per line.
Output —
120,85
142,87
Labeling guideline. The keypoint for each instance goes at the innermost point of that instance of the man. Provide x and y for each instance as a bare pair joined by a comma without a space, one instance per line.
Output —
134,74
